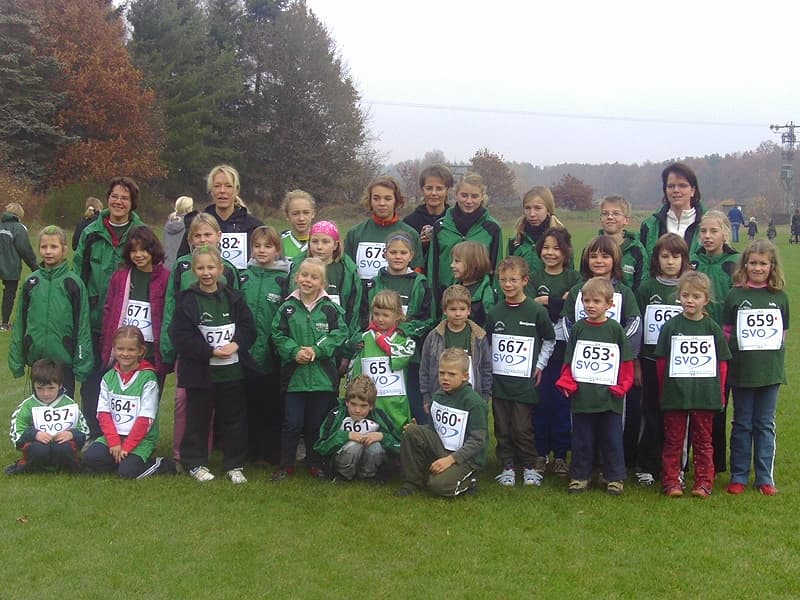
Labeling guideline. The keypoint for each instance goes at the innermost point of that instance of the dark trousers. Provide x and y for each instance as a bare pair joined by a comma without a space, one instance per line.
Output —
551,419
304,413
597,430
675,424
264,417
513,430
632,426
9,294
419,448
97,459
227,401
90,390
414,394
651,440
44,457
719,437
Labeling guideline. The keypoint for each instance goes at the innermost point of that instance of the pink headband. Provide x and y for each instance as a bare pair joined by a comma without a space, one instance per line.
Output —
326,227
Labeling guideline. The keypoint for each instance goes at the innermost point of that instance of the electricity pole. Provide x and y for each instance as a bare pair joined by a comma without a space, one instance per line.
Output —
788,141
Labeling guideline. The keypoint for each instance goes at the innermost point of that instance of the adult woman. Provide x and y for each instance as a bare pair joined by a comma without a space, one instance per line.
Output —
92,209
231,214
98,255
175,228
15,247
680,212
435,181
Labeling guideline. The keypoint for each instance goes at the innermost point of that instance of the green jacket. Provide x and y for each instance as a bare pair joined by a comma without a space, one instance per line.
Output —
14,248
635,260
52,322
264,290
332,437
654,226
720,269
476,440
322,328
343,283
96,259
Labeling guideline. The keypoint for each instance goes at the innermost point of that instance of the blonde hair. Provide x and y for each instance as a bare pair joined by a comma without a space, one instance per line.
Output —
91,207
15,208
475,180
475,257
297,195
514,263
206,250
695,280
56,231
232,175
399,236
456,293
388,300
204,219
619,201
546,196
265,232
776,280
361,388
457,357
311,265
183,206
598,286
723,221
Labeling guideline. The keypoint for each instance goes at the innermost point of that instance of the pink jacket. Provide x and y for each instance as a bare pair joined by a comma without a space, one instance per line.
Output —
117,301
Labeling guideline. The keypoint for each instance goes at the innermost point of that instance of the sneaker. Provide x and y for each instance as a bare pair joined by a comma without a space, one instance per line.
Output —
736,488
282,474
701,492
507,478
201,473
530,476
614,488
673,492
236,476
318,473
767,489
5,327
16,468
644,478
560,467
540,464
577,486
407,489
300,453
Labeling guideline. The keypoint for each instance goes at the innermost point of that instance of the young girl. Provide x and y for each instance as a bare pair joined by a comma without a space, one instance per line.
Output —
264,285
415,296
307,331
756,317
659,301
549,286
175,228
213,330
472,269
538,207
364,243
300,209
53,315
385,355
127,410
691,355
203,231
718,260
467,220
136,297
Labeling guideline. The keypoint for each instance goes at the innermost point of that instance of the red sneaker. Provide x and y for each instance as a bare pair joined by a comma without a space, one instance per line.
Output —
701,492
673,492
767,489
736,488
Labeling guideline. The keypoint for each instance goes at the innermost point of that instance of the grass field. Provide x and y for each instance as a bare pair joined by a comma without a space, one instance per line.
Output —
170,537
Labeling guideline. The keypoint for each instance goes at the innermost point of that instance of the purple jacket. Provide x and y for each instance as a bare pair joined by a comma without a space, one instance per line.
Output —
117,300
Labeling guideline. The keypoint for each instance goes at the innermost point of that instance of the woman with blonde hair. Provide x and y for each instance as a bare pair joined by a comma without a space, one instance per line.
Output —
175,228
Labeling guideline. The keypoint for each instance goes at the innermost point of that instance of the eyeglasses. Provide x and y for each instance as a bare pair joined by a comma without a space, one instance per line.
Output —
680,186
120,198
511,280
612,213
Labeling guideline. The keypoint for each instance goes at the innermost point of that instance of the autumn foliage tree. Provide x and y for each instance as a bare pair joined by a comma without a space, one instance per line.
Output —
571,193
497,175
107,108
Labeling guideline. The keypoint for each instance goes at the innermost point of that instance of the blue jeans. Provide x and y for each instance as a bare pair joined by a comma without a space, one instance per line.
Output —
735,231
753,433
593,430
304,413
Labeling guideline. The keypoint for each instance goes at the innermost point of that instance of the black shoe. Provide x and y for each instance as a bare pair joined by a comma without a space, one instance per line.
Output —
15,469
406,489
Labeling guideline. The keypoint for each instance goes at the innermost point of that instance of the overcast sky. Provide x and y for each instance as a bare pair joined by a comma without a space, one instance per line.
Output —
570,81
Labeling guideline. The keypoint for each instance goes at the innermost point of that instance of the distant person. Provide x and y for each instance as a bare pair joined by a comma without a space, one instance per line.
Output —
795,238
680,212
772,232
175,228
736,217
752,228
92,210
14,248
435,182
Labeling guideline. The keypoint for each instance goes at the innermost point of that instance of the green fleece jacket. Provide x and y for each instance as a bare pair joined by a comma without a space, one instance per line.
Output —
719,268
332,435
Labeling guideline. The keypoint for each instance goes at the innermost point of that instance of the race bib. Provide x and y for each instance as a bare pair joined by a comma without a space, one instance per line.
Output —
362,426
124,410
233,248
615,312
512,355
655,315
217,337
138,315
450,424
370,257
55,420
759,329
595,362
388,382
692,356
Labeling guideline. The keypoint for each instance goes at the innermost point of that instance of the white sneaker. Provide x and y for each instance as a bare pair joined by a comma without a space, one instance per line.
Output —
507,478
531,477
201,474
645,478
236,476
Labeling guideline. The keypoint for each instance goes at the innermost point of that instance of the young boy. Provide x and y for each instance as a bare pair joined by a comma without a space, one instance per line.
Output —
445,455
48,427
456,331
598,371
356,435
522,340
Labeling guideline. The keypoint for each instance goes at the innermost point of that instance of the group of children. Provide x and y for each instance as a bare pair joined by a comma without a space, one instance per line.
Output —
610,362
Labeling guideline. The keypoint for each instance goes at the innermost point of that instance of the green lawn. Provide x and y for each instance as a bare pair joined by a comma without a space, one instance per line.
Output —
171,537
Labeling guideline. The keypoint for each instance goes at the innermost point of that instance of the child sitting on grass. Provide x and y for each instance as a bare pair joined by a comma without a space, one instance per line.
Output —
446,455
47,427
356,435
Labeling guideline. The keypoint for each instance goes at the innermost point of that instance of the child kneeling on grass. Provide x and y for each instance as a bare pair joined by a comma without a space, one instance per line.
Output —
356,435
446,455
47,427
